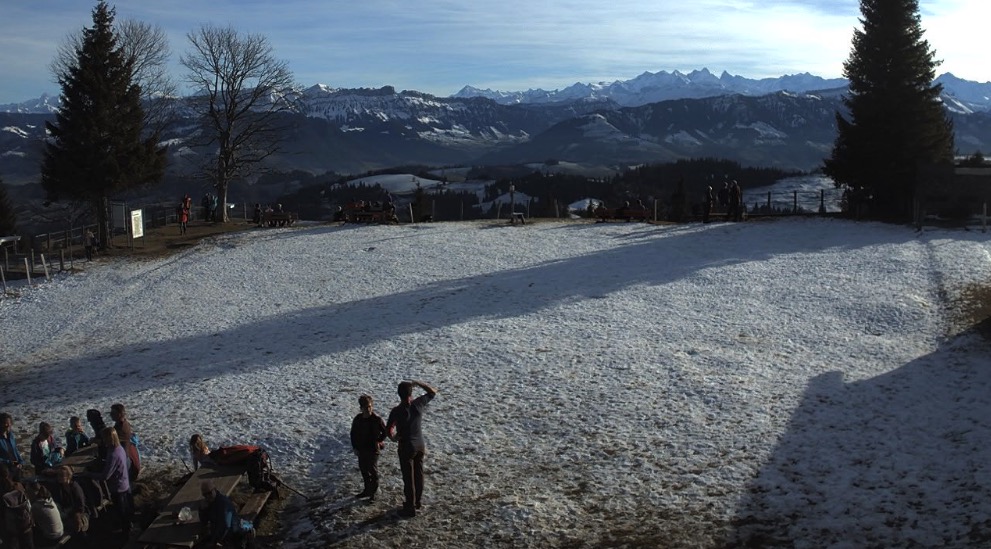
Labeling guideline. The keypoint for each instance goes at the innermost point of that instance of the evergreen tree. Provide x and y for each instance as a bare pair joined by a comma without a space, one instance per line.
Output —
97,146
8,220
896,120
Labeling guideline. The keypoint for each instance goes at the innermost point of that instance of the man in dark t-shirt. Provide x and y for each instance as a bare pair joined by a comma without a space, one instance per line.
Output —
404,426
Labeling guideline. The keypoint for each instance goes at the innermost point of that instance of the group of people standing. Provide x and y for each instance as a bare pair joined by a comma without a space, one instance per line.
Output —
729,198
404,425
56,501
211,210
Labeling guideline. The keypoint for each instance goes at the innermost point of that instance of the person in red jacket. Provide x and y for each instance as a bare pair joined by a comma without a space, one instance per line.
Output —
183,215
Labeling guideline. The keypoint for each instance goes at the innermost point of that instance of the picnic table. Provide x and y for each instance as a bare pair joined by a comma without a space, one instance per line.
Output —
166,530
82,459
279,219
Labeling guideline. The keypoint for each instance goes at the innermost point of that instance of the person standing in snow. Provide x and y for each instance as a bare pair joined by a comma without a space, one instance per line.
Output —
183,218
707,204
256,218
735,202
367,436
405,427
89,242
125,434
114,473
10,458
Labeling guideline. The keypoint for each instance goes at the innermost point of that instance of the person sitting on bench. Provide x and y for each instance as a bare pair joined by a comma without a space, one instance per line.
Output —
221,523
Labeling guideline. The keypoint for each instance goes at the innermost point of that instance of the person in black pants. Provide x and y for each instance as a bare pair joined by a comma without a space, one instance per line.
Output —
367,436
404,426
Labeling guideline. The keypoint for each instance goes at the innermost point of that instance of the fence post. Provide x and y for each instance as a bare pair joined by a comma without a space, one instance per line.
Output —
822,201
44,264
4,280
411,218
27,271
794,202
61,260
768,201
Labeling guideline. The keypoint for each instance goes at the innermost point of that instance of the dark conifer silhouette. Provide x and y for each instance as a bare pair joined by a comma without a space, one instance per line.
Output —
8,219
97,144
896,121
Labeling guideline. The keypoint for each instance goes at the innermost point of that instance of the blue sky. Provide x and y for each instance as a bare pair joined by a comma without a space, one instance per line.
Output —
438,46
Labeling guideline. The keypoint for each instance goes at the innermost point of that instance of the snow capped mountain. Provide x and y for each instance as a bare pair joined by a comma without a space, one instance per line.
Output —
788,122
46,104
965,96
661,86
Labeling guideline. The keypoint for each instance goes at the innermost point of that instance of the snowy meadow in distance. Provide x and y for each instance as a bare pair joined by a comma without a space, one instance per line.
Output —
795,382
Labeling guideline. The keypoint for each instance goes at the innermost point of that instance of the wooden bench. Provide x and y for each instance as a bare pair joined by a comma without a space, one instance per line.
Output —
83,459
625,214
166,530
375,212
279,219
253,505
61,542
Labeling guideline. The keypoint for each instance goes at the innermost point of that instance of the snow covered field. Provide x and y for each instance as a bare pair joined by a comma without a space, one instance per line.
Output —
799,382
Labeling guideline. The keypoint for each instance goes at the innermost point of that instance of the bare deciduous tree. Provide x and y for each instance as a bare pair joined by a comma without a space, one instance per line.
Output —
148,47
241,93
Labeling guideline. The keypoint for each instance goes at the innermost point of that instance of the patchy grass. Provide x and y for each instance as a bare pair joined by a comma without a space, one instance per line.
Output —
163,241
972,310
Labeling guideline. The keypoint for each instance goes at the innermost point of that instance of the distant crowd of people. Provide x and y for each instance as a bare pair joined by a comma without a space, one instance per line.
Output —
729,199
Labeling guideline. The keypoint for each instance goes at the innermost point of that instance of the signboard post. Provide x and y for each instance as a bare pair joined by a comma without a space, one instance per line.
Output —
137,226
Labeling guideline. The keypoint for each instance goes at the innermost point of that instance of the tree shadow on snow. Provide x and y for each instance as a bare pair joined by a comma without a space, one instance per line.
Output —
898,460
310,334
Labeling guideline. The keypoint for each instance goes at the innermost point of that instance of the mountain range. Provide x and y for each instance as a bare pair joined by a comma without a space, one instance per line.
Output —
786,122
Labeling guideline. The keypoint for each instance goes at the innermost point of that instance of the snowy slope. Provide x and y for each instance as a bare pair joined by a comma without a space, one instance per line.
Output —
797,382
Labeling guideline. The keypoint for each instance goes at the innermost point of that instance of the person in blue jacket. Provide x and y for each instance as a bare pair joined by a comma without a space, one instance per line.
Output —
9,456
75,437
220,520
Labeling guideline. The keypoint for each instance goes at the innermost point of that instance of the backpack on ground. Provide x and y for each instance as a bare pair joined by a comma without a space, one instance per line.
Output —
253,458
17,509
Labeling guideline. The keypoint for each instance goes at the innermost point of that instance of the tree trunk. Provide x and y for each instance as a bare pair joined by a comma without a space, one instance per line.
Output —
103,222
222,202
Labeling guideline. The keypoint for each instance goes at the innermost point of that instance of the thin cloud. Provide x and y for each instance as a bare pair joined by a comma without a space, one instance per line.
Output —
438,46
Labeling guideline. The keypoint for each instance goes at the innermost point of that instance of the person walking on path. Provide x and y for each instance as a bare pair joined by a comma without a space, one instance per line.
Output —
405,427
367,436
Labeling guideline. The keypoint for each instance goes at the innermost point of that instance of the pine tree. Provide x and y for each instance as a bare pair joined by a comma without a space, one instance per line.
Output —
8,219
896,120
97,146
